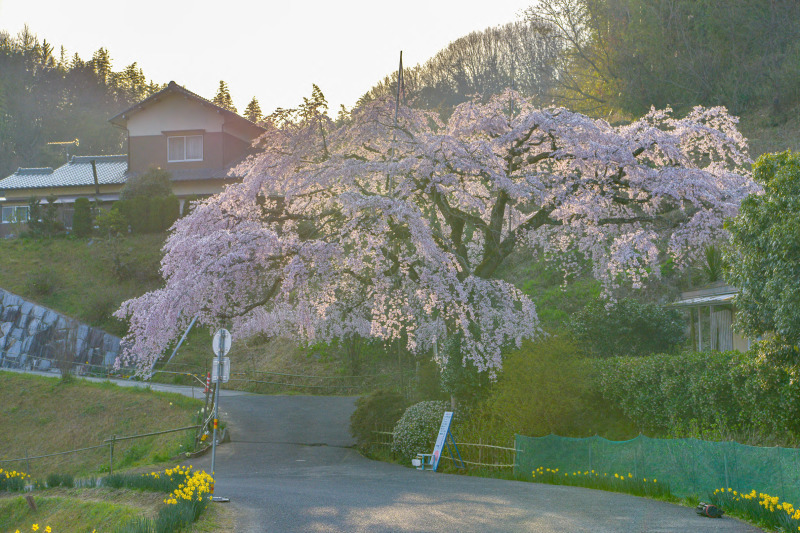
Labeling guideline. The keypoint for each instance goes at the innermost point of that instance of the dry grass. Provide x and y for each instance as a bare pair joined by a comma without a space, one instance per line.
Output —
45,415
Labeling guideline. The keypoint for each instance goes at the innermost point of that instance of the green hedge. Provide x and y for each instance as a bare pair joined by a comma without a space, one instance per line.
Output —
607,328
726,392
149,215
82,218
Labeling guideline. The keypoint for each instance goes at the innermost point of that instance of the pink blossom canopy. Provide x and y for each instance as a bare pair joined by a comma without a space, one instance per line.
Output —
396,233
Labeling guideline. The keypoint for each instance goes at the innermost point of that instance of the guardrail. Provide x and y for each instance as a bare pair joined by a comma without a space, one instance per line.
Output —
282,380
110,442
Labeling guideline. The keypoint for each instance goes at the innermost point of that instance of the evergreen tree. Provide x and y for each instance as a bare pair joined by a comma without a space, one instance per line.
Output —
82,218
223,97
101,65
253,111
49,94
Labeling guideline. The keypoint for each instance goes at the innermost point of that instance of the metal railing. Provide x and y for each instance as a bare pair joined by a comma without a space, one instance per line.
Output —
109,442
471,450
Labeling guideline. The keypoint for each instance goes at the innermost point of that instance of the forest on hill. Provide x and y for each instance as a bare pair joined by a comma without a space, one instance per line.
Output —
617,58
607,58
47,96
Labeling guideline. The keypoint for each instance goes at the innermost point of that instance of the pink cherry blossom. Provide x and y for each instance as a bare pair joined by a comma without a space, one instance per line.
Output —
397,234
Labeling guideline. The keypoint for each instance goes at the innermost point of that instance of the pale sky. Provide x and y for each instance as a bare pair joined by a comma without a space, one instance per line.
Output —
271,50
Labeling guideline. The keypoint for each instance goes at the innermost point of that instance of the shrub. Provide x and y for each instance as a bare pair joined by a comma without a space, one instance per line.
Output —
82,218
60,480
627,327
378,411
170,211
546,387
43,219
416,430
41,282
155,182
112,222
704,394
154,208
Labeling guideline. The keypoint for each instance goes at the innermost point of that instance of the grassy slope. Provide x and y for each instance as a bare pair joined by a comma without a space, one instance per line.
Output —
77,276
82,510
45,415
765,135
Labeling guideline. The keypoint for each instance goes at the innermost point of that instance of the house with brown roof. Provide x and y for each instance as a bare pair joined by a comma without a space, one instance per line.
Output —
198,142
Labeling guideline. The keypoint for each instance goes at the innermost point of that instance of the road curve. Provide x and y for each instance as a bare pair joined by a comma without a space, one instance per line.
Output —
290,467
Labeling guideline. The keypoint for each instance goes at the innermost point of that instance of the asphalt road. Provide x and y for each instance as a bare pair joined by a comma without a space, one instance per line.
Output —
290,467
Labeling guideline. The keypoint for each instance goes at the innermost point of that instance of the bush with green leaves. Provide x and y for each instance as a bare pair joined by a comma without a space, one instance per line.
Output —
699,393
378,411
112,222
82,218
43,220
627,327
60,480
41,282
542,390
416,430
147,202
764,257
153,183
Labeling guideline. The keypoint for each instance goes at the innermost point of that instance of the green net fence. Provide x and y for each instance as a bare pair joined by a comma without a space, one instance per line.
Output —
690,466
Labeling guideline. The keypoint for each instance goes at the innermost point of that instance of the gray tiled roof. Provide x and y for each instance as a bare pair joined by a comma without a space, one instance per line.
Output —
78,171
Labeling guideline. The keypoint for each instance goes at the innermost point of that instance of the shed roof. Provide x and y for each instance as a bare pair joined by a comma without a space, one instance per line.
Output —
716,293
77,172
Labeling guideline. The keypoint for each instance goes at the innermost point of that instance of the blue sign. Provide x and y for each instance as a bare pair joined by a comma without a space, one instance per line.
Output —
444,430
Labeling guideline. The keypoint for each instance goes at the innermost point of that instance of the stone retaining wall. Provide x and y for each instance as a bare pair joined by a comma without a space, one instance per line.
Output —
35,337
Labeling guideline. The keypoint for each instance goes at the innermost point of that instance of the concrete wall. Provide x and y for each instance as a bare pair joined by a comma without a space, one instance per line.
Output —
33,337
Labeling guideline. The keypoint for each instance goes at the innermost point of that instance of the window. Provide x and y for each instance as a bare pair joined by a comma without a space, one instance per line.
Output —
15,214
185,148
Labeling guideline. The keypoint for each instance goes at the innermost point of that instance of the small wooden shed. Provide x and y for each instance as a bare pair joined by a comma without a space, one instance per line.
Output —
711,313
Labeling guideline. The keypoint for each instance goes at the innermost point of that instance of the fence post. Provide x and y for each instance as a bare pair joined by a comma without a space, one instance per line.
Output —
27,464
111,455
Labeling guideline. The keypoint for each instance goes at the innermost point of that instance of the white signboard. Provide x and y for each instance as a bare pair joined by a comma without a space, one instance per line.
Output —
444,429
222,342
226,369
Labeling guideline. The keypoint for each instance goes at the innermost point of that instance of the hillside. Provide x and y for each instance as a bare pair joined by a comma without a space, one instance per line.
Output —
44,415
